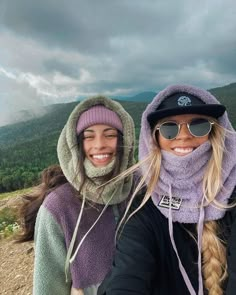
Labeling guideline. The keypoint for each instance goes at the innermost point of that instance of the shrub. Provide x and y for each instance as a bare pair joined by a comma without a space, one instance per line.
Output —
8,222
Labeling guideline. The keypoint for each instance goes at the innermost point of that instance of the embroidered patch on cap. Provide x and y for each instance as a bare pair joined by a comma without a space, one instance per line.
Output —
165,202
184,101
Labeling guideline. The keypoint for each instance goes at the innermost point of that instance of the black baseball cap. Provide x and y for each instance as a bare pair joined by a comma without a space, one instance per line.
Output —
184,103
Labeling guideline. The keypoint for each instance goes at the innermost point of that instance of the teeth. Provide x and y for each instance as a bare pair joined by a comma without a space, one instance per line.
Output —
183,150
100,157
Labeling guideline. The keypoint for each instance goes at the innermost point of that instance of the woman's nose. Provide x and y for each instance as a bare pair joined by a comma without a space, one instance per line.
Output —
99,142
184,131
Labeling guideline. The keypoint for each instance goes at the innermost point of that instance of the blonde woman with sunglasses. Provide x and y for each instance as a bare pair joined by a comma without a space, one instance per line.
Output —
180,238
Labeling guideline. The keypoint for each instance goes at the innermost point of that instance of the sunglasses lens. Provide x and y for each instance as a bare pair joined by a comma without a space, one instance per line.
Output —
200,127
169,130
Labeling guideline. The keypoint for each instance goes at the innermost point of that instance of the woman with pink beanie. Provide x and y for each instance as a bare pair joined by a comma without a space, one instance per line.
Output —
75,225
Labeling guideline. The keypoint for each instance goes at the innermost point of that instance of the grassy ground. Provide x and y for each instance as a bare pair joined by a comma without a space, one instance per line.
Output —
9,217
15,193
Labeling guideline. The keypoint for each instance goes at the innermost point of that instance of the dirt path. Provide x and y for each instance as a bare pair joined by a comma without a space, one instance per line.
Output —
16,268
16,262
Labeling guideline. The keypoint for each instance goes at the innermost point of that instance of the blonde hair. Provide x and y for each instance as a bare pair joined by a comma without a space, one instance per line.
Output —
214,266
213,250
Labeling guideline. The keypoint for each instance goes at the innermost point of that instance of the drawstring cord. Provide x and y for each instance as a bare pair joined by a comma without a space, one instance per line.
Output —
72,243
70,259
84,237
181,267
199,244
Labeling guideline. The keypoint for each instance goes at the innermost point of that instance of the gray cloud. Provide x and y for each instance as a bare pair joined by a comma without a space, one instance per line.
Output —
55,51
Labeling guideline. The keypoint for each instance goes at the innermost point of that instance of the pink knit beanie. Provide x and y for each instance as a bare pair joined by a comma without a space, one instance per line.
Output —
98,114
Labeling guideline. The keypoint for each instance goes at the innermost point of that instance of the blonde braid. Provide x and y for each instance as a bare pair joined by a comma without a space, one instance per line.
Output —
214,259
213,251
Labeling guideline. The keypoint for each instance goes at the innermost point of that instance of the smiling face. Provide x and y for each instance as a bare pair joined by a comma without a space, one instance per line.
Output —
185,142
100,143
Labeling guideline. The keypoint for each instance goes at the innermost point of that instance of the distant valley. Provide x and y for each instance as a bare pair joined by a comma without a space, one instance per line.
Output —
26,148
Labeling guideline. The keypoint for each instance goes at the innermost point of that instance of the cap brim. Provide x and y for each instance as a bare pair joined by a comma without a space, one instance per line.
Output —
212,110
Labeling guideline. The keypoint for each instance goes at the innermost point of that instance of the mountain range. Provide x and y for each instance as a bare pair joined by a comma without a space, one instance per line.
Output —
28,147
54,116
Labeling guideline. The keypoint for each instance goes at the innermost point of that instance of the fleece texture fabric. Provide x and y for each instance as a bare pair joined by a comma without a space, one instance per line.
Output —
69,157
55,224
179,171
59,229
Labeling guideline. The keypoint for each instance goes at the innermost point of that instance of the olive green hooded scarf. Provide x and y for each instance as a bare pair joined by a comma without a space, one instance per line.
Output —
69,156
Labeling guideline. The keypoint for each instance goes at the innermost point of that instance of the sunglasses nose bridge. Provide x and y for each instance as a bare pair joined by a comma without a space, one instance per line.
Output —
184,130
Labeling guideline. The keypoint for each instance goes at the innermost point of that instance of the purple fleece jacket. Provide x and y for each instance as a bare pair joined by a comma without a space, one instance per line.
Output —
94,258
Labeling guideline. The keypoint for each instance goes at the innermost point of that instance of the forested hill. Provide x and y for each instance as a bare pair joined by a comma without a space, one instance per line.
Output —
28,147
52,123
227,96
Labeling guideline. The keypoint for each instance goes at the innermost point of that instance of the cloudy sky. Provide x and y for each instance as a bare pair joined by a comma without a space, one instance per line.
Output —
55,51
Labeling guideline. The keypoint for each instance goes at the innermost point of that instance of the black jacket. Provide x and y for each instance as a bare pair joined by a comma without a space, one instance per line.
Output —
145,262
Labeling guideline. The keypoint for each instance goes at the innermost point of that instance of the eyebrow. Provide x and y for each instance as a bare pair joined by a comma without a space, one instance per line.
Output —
107,129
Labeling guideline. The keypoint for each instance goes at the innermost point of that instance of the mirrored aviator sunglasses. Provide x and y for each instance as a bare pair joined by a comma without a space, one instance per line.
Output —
198,127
